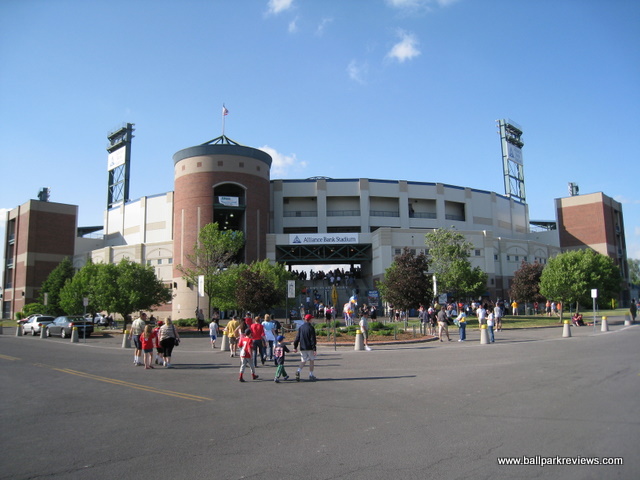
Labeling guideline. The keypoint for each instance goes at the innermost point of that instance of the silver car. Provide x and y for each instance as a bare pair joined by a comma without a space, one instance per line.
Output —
35,323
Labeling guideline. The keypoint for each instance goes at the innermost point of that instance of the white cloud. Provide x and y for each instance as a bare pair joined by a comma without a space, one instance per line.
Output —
357,71
283,165
322,26
405,49
276,6
625,200
418,4
293,25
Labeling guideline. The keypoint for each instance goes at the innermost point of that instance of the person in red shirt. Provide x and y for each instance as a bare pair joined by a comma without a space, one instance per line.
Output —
257,336
245,344
147,341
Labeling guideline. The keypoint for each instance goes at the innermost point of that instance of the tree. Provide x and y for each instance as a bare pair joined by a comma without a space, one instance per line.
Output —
449,260
261,286
634,271
570,276
406,284
53,285
214,251
81,286
525,286
129,287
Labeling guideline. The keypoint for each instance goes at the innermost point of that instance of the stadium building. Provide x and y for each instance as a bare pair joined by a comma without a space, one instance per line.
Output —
355,223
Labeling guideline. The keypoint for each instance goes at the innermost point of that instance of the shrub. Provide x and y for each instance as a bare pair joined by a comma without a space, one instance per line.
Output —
186,322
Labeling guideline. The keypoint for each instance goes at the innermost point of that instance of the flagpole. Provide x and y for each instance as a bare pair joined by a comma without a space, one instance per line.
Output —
223,115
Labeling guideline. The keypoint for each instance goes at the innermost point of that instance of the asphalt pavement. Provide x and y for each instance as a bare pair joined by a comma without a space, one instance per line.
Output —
427,410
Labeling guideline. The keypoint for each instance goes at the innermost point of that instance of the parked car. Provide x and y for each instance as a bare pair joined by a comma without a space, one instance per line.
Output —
22,321
64,325
35,322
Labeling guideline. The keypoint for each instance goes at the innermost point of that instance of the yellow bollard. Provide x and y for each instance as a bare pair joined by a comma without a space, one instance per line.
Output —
566,329
74,335
605,325
359,341
126,341
484,335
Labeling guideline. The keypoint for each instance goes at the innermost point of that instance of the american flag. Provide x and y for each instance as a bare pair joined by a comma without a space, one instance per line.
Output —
224,111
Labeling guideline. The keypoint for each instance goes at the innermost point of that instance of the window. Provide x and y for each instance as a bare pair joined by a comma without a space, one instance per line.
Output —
477,253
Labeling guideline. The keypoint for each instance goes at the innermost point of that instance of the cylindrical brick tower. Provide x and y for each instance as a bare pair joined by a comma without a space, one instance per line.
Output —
220,181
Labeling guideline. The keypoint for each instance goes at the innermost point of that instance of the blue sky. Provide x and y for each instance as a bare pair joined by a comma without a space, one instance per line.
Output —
390,89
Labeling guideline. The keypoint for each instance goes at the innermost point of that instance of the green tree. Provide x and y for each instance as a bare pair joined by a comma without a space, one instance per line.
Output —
525,286
570,276
262,286
449,260
81,286
634,271
32,308
129,287
53,285
214,251
406,284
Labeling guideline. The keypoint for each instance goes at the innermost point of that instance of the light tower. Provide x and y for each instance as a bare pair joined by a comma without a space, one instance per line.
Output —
118,164
510,135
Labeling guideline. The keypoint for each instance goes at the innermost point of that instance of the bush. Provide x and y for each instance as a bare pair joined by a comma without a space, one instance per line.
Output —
380,326
31,308
19,315
186,322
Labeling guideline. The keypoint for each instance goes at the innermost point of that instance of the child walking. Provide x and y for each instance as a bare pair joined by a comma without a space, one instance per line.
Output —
213,331
245,344
279,356
147,339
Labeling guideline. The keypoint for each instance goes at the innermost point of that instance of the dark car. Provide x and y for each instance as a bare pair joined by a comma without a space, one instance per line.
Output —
35,323
64,325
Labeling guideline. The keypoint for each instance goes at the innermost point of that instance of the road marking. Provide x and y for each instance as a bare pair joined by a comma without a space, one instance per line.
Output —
122,383
7,357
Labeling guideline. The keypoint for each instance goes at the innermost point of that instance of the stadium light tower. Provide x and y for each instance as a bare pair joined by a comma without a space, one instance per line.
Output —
512,165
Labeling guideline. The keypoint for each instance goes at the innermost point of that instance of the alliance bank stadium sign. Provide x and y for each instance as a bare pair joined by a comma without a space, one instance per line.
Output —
322,238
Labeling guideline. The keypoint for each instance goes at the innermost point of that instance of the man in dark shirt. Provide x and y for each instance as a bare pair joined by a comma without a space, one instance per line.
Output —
443,325
306,339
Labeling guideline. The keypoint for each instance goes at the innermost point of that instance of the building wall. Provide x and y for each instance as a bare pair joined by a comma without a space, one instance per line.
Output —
39,236
595,221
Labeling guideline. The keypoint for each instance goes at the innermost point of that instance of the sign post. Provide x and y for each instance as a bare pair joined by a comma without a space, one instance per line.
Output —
594,295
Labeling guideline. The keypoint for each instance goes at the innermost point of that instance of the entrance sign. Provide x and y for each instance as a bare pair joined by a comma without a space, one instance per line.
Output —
323,238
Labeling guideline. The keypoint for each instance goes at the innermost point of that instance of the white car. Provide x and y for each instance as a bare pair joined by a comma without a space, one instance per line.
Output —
35,323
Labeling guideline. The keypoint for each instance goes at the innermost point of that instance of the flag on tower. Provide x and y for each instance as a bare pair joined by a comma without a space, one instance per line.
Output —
224,111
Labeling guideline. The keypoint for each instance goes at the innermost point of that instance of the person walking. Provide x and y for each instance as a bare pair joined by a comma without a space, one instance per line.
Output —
257,336
633,310
269,335
137,327
280,352
159,354
169,338
230,330
246,346
213,331
147,338
306,339
200,320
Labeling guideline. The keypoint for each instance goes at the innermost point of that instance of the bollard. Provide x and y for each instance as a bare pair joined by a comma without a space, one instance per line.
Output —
566,329
225,347
484,335
1,332
359,341
126,341
605,325
43,333
19,330
74,335
627,320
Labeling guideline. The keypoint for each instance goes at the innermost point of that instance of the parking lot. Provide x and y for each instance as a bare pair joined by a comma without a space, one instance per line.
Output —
410,411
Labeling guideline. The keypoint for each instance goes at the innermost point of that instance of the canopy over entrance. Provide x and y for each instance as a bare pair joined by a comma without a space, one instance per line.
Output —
311,254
